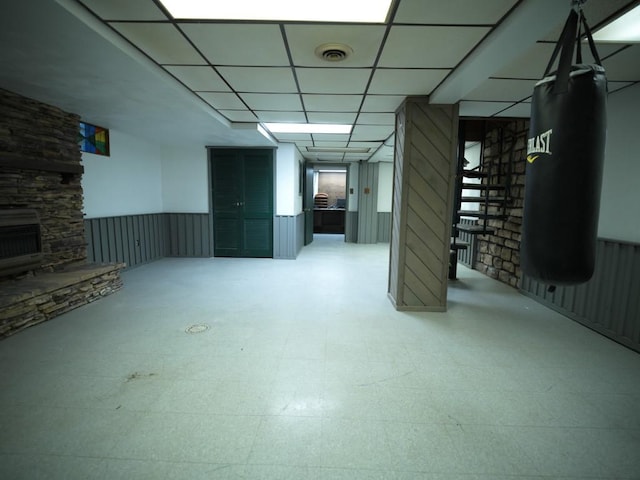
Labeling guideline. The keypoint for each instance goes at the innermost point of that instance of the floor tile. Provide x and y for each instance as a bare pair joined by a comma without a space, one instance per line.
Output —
174,437
51,467
288,440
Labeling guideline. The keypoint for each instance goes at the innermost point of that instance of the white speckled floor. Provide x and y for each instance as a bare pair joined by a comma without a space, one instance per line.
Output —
307,372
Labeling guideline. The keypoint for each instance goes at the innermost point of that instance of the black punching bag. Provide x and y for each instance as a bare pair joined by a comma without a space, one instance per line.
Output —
565,154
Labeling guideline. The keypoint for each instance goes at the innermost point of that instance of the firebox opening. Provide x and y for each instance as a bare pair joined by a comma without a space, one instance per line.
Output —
20,241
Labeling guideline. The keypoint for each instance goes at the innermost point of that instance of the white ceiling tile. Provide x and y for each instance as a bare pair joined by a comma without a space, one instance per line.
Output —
496,89
259,80
384,154
332,80
222,101
624,66
335,103
342,144
615,86
199,78
273,101
285,117
519,110
371,132
293,137
481,109
594,12
356,156
452,12
330,137
332,117
239,44
364,40
239,115
371,145
406,82
161,41
531,63
382,103
326,155
603,49
377,119
429,47
125,10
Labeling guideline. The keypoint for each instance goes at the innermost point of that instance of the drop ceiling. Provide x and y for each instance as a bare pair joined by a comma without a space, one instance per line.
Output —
128,65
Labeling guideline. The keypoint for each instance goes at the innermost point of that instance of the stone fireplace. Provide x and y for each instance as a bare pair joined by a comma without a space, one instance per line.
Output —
42,240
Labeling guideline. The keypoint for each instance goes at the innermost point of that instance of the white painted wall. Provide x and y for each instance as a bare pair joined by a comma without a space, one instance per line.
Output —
185,181
128,182
385,186
619,219
287,184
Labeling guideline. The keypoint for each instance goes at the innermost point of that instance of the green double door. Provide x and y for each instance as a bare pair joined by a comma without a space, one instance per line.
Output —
242,182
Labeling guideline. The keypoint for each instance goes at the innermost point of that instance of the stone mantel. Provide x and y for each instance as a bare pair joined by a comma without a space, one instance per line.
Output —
39,164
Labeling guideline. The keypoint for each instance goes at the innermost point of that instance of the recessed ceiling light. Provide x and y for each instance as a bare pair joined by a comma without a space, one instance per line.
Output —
357,11
624,29
307,128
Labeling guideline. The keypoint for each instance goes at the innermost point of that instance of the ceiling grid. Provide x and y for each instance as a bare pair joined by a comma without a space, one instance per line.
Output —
250,72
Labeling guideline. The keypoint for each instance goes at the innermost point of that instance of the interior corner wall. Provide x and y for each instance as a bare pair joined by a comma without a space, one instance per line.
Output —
185,181
385,186
288,197
620,194
385,200
127,182
288,226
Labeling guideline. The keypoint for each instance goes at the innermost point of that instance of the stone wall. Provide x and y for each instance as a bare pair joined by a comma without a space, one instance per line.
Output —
40,169
499,253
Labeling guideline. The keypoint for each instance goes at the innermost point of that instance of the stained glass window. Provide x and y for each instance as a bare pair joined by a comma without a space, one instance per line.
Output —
93,139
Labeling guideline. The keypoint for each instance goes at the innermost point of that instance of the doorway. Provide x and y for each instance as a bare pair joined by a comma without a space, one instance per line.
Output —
329,199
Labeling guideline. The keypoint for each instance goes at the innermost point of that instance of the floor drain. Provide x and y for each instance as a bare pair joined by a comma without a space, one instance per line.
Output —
198,328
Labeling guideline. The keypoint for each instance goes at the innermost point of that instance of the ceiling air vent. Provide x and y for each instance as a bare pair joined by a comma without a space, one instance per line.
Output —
333,52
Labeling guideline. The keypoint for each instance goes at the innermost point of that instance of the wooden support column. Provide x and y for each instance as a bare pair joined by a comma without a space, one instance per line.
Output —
423,187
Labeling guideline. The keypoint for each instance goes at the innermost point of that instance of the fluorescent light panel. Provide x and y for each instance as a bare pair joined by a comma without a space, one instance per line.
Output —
624,29
307,128
358,11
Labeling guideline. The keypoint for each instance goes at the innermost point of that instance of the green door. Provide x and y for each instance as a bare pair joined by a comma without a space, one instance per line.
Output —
242,182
